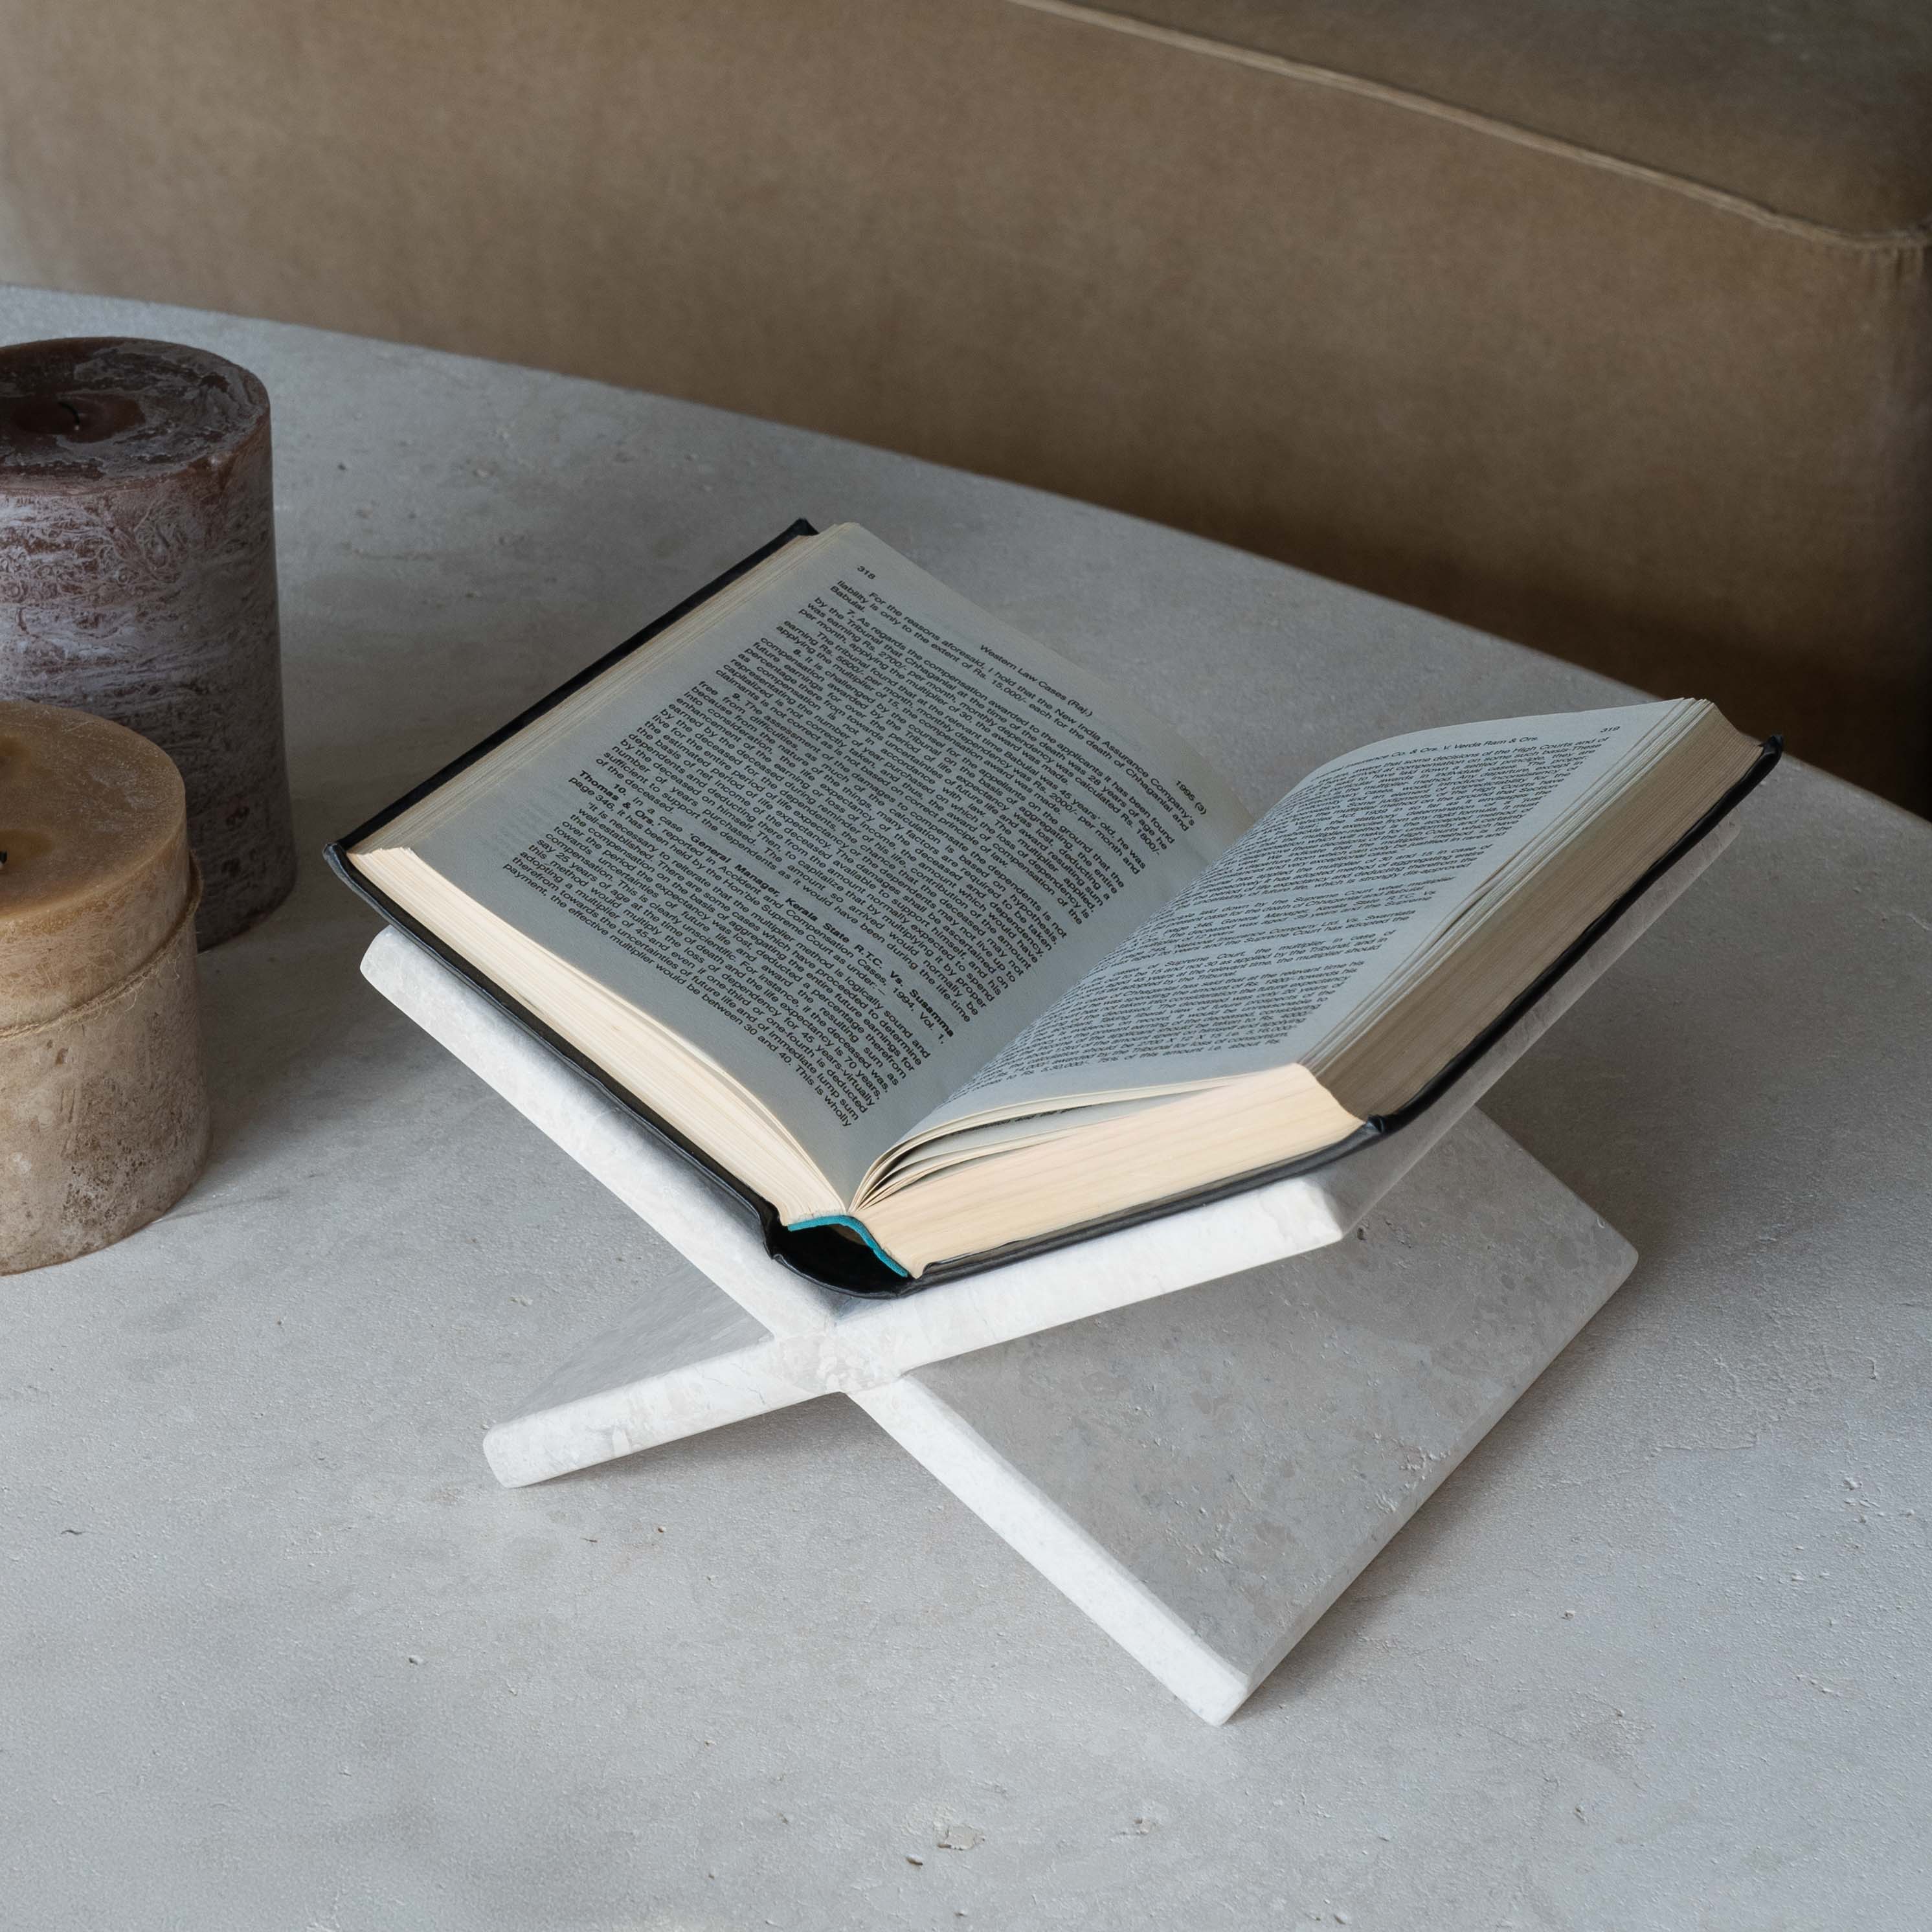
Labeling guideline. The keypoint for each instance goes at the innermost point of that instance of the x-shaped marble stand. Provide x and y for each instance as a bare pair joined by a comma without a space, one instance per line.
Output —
1202,1474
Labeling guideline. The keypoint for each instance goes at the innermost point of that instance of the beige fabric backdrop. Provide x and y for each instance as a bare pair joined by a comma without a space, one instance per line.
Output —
1625,418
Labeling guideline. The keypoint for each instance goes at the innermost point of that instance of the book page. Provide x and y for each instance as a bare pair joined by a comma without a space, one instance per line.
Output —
1317,908
848,843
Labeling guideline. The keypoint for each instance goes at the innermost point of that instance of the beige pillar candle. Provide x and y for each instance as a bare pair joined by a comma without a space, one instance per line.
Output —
103,1114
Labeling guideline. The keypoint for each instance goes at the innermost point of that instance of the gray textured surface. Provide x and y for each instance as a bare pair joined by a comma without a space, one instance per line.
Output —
789,1663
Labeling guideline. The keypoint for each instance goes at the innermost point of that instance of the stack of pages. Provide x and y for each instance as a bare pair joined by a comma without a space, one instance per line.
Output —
937,948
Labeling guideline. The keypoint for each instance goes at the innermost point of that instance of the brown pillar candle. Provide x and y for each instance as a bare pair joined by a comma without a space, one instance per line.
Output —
104,1115
137,581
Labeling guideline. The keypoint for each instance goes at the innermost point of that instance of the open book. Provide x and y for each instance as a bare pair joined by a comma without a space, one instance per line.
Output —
930,941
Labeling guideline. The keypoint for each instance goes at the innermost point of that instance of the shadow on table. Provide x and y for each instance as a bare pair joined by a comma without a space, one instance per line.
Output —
294,1045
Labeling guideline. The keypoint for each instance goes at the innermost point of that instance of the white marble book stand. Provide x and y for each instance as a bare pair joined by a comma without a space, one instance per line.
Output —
1204,1473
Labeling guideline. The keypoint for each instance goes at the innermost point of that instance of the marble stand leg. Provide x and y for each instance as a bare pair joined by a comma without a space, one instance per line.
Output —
1202,1473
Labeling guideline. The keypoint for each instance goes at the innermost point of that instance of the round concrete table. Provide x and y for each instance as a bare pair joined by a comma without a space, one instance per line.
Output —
280,1654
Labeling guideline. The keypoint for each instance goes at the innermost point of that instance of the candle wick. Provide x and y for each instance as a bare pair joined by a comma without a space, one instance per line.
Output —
71,411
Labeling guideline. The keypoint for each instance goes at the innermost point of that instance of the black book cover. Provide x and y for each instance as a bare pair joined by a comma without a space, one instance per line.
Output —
822,1254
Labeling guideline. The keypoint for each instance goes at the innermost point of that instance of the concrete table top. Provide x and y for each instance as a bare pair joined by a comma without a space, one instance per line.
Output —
278,1653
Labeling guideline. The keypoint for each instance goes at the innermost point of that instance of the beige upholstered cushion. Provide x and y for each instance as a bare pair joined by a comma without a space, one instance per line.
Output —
1820,109
1605,326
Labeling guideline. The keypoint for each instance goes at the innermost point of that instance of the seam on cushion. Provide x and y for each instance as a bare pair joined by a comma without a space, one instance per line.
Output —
1875,240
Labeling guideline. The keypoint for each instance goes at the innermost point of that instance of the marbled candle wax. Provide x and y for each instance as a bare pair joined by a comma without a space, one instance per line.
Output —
137,581
104,1115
